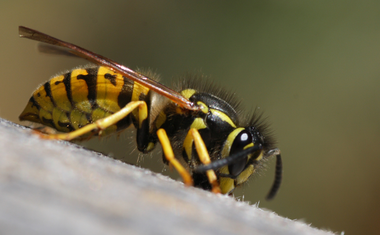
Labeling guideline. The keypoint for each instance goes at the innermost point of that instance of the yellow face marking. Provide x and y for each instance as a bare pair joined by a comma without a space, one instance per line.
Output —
230,139
248,146
108,90
188,93
245,175
79,90
226,184
223,116
260,157
58,91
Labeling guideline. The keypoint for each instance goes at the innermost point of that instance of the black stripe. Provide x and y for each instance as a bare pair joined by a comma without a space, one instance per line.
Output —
67,81
142,96
67,125
48,92
124,123
91,79
48,122
34,103
110,77
89,117
201,181
125,95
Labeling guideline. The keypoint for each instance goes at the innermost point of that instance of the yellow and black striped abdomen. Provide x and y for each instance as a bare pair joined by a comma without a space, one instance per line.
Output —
72,100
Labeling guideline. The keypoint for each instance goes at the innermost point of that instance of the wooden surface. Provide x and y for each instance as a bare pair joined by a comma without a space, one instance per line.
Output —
55,187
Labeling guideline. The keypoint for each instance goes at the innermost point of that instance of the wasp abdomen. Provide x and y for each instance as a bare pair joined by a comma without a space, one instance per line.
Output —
72,100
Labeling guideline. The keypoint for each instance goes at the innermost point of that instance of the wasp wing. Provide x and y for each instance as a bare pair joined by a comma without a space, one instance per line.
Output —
103,61
55,50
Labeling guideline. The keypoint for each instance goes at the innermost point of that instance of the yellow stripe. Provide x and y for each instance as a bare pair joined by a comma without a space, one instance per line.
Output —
245,175
226,184
169,155
248,146
204,157
198,124
187,145
143,114
203,107
78,119
58,91
188,93
79,91
40,97
30,113
137,90
60,116
260,156
230,139
45,114
99,114
161,118
223,116
106,92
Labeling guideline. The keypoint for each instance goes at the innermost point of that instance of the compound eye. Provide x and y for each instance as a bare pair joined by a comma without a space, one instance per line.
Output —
243,139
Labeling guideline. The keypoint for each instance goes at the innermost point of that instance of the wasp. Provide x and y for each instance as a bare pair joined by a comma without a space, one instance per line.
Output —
201,129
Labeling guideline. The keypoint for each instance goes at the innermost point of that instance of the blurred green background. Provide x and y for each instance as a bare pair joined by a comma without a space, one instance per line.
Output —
313,67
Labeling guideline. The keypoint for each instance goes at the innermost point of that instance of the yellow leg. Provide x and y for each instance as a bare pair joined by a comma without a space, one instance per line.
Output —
204,158
103,123
169,155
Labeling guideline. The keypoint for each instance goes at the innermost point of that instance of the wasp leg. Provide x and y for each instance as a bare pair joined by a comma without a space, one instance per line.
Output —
193,136
169,155
143,138
103,123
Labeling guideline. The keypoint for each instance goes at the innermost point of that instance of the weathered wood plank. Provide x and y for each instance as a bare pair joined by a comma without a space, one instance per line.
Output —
54,187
